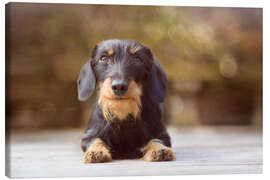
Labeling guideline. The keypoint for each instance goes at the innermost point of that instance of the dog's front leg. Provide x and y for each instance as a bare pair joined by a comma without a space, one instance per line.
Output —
156,151
97,152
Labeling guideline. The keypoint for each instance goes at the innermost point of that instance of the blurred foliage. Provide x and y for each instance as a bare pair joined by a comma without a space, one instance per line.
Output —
213,58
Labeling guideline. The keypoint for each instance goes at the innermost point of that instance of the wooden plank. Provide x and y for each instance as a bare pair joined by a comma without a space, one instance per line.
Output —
204,150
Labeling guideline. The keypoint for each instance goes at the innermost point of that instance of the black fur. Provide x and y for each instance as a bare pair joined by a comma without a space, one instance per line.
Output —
125,138
86,82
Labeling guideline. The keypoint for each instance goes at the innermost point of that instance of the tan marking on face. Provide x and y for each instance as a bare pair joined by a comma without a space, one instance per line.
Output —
120,108
133,50
110,52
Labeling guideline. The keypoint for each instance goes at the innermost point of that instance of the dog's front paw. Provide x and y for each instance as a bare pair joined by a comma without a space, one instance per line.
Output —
163,154
158,152
97,156
97,153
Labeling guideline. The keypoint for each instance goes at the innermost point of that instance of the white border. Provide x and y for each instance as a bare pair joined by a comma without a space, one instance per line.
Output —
205,3
208,3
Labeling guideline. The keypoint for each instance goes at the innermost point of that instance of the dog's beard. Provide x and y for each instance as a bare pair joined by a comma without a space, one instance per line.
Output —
119,107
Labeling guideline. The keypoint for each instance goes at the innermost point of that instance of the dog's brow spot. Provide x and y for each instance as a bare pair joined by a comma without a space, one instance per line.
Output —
110,52
132,51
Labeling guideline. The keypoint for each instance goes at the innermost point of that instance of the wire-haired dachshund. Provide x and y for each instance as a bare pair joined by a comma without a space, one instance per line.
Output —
126,122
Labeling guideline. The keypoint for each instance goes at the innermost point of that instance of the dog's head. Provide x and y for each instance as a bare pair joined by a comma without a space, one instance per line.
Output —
122,71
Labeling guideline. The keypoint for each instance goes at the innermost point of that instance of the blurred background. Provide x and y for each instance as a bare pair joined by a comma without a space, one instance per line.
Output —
212,56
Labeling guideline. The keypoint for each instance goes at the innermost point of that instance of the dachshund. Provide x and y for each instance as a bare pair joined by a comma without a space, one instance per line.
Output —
126,122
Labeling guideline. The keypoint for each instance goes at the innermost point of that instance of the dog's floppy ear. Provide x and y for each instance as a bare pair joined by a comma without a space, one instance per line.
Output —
157,83
86,82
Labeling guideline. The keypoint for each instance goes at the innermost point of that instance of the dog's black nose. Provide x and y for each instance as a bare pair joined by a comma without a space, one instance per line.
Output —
119,86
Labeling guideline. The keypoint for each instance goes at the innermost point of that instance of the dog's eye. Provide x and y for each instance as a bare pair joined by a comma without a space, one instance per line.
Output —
138,59
103,58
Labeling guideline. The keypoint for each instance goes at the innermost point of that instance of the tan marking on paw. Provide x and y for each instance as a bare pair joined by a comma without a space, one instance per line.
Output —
97,153
155,151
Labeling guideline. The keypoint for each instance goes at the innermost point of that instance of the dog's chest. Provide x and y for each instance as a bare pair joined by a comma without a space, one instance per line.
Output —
126,135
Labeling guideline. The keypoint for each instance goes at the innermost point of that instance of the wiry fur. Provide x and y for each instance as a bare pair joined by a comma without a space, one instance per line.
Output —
114,107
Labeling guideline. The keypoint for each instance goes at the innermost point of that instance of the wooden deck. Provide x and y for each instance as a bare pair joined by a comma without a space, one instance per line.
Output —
204,150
